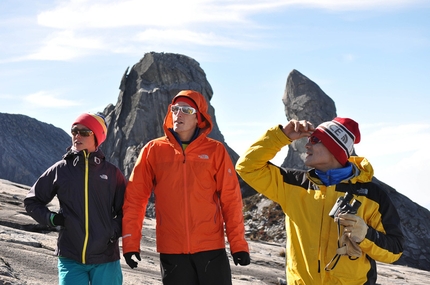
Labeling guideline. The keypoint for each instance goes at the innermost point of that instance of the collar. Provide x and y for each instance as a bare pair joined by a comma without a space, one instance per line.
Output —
195,135
336,175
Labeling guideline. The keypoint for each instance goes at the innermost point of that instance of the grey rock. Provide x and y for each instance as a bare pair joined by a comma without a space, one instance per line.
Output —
304,100
415,221
146,90
28,147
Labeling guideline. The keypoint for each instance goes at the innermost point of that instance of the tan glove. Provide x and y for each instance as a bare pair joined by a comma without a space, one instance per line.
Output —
348,247
354,227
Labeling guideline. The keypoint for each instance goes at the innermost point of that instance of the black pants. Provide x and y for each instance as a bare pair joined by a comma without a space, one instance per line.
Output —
202,268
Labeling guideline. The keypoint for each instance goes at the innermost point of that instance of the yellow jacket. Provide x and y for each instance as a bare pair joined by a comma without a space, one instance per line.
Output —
312,234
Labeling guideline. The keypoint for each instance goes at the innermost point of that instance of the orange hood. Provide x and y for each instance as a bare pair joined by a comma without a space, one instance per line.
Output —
202,105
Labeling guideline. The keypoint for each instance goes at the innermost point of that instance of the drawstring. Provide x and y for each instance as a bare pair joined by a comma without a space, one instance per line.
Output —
336,257
96,160
75,161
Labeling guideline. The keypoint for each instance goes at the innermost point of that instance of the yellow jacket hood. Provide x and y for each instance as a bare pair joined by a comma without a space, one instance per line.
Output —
364,167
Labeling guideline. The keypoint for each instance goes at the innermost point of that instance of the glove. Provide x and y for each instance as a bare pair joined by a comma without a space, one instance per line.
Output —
348,247
242,258
354,227
57,219
129,260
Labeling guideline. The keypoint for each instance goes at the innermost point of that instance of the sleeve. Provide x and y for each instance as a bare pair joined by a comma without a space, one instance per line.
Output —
231,202
40,194
255,169
118,203
136,197
384,239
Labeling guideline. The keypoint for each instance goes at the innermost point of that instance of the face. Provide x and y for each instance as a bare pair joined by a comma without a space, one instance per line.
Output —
184,124
83,138
319,157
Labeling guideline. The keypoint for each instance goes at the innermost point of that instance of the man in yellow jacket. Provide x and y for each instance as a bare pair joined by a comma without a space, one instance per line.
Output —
197,196
338,221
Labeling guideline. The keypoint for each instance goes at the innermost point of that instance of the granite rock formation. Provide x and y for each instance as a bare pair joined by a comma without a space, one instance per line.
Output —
28,147
304,100
146,90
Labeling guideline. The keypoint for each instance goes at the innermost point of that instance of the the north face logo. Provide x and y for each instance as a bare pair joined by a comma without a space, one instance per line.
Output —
362,191
203,156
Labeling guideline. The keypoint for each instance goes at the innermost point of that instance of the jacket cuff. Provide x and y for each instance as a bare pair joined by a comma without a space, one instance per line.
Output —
371,234
283,138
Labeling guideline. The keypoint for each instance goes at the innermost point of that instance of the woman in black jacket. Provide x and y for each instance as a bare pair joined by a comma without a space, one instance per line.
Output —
91,193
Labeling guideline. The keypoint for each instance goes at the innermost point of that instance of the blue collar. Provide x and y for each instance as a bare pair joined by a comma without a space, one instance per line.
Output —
336,175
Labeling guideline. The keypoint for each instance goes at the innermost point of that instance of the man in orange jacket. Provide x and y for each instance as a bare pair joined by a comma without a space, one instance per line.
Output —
196,193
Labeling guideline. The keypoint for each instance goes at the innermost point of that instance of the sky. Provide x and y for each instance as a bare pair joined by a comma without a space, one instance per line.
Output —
372,57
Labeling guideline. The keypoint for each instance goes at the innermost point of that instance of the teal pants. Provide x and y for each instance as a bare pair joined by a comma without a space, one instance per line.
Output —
71,272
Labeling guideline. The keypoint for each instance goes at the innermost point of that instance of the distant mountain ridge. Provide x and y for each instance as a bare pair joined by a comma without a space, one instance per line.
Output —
28,147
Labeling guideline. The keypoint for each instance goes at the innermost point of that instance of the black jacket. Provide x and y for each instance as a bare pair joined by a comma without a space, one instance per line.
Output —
91,193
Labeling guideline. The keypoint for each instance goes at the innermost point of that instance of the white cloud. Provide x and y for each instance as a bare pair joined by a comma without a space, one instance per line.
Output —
382,140
397,156
186,36
407,174
65,45
46,100
84,14
162,13
85,26
6,96
345,5
348,57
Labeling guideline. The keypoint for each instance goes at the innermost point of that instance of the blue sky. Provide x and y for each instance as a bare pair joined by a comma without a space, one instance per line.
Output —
372,57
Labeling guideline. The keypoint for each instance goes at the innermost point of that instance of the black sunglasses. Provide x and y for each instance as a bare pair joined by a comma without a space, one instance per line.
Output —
82,133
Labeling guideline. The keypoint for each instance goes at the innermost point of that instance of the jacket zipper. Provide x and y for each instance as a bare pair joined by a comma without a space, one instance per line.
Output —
321,230
187,226
319,248
84,249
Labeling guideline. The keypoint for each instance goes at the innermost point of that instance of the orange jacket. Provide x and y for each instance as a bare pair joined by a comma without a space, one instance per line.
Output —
196,193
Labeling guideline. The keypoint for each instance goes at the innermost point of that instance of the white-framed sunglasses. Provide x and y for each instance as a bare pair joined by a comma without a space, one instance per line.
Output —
184,109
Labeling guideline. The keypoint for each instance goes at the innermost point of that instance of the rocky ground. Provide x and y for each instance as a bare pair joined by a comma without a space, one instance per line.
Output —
27,251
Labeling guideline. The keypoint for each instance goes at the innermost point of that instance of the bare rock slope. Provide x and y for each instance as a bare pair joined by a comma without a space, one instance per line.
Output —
27,252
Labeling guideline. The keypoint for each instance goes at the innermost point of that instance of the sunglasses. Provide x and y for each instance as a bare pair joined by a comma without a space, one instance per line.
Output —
313,140
82,133
184,109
